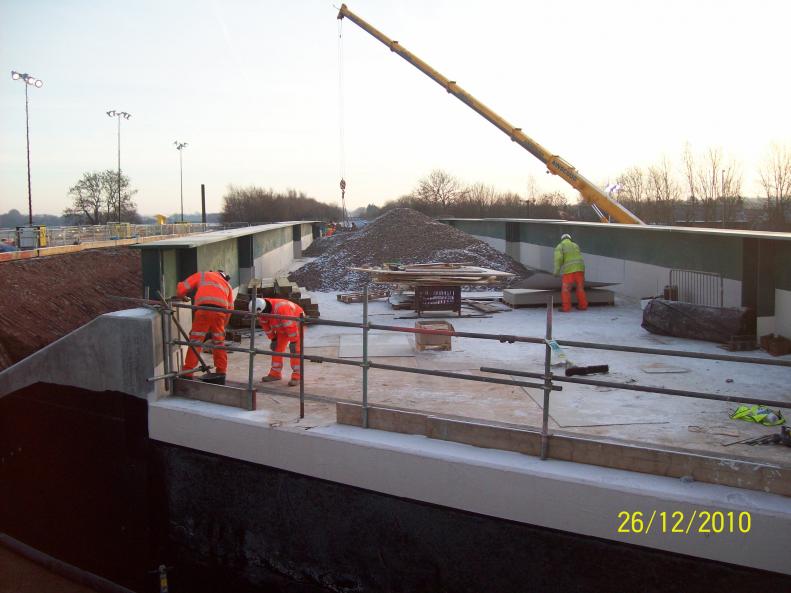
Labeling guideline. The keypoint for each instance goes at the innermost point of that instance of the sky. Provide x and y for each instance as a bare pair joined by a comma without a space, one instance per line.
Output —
253,87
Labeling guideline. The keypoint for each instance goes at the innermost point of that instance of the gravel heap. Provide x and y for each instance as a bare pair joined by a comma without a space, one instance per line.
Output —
402,235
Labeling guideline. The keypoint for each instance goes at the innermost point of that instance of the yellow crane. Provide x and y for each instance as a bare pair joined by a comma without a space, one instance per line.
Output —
605,207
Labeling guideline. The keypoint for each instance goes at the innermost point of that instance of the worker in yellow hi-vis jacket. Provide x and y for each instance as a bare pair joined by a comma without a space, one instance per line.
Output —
570,266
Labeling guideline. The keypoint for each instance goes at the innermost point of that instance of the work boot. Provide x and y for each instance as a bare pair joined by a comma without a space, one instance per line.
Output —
269,379
293,382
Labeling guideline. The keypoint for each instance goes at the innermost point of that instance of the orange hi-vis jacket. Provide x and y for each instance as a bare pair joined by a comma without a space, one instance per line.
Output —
285,327
211,290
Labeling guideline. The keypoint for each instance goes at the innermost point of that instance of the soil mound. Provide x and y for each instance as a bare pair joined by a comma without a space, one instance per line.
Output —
45,298
402,235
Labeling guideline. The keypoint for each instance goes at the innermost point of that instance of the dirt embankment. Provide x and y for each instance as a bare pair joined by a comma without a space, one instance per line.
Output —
45,298
403,235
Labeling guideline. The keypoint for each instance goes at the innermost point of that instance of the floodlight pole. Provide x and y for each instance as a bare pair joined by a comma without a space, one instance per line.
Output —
119,115
180,147
27,138
27,79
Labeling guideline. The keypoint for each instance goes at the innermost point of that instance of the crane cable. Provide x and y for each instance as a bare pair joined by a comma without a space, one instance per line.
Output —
341,125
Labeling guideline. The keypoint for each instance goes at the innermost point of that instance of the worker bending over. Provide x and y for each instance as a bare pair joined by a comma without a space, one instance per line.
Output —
281,332
211,290
569,264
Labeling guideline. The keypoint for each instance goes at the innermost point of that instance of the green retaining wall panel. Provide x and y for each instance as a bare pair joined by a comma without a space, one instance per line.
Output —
268,241
688,251
223,255
170,265
783,265
481,228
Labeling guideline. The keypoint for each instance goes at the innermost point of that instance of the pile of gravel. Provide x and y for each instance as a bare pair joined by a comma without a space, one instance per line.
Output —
402,235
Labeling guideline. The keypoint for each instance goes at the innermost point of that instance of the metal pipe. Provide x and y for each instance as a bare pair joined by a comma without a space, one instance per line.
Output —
644,388
167,345
679,353
301,369
390,367
203,366
252,349
365,356
547,383
387,367
173,375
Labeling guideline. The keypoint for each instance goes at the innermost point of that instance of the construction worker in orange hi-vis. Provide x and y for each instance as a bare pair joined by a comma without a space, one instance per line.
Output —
281,333
212,289
569,264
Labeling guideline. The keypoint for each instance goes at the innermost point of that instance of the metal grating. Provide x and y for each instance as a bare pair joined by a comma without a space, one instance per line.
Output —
698,288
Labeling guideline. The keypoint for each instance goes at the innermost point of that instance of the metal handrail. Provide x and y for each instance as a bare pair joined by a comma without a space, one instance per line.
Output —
548,385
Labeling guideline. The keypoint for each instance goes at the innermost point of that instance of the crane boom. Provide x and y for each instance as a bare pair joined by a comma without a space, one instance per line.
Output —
607,208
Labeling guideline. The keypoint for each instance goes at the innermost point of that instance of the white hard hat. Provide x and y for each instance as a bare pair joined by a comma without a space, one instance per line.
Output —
565,236
260,305
224,275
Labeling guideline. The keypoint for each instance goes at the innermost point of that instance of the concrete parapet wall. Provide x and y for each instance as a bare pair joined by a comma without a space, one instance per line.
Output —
572,497
115,352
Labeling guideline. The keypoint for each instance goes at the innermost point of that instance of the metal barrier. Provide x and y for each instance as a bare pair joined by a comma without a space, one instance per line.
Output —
74,235
698,288
547,377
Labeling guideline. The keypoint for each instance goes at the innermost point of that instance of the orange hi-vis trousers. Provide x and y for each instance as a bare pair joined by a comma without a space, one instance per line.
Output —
577,278
282,343
208,323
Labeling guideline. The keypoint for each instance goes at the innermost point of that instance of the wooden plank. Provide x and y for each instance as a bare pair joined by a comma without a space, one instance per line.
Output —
217,394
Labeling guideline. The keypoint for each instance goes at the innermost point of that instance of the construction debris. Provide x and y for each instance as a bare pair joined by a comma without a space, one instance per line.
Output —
359,297
444,274
776,345
685,320
400,235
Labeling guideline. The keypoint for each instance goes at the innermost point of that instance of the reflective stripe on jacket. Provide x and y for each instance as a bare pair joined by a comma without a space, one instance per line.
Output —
210,288
287,327
568,258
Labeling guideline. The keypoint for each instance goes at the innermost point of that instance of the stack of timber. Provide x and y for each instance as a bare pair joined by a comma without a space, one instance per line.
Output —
275,288
434,274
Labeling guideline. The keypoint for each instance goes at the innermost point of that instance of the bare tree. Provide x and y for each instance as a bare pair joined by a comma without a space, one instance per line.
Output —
715,182
664,190
95,199
87,199
775,174
632,192
438,189
475,200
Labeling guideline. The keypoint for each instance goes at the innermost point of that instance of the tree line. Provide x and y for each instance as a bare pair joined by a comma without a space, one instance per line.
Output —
706,188
255,204
441,194
703,189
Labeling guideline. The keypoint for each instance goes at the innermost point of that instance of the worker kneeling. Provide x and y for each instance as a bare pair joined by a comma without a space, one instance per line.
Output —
211,290
281,333
569,264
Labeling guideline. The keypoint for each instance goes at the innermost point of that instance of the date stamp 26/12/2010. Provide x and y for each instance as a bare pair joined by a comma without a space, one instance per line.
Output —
684,523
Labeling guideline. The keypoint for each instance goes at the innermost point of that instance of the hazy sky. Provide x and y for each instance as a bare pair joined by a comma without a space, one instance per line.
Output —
253,87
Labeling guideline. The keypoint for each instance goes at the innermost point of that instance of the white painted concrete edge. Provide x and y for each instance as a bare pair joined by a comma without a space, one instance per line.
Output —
575,498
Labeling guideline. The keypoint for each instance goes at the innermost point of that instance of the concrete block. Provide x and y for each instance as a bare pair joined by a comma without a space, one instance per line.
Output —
526,297
217,394
380,418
